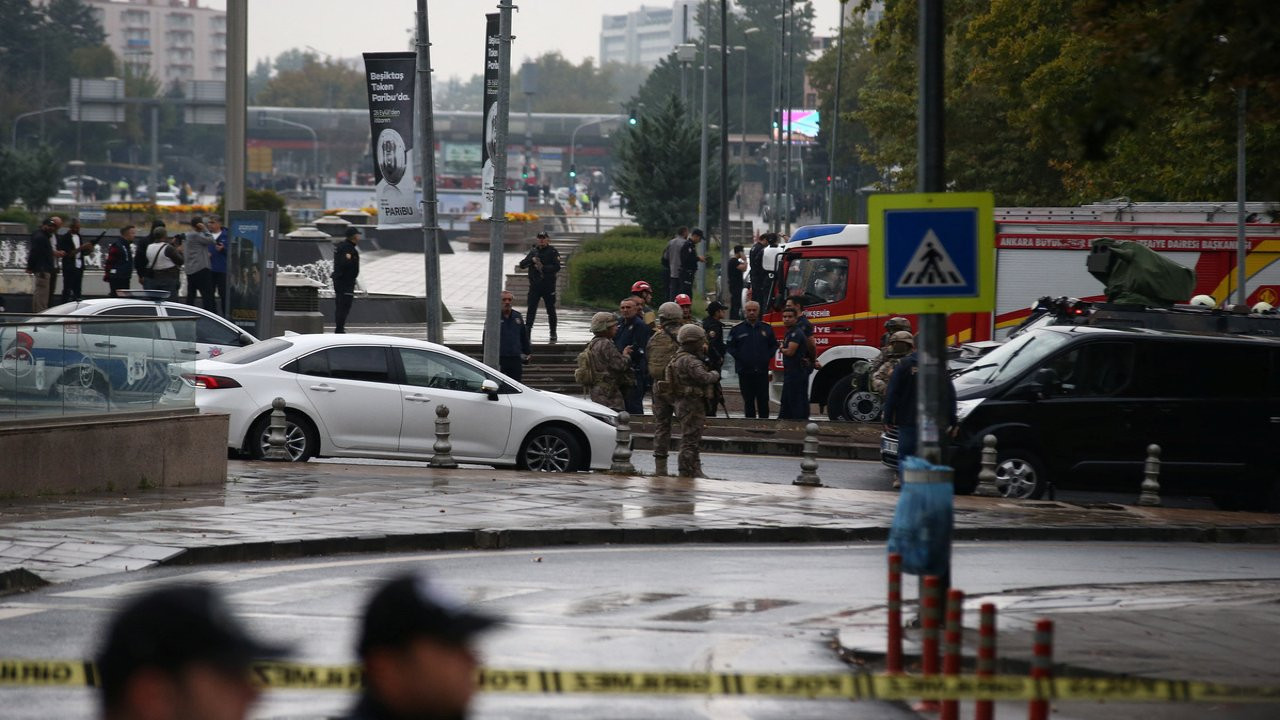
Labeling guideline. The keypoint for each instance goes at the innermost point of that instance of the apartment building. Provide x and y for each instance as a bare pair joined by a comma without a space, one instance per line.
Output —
175,40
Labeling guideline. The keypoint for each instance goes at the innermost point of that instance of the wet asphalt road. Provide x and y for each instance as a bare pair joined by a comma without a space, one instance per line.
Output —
757,608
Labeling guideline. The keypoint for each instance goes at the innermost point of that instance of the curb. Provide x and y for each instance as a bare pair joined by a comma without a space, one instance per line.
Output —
510,539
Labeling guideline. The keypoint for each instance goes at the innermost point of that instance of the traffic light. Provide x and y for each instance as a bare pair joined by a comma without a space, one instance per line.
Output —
524,171
573,171
631,120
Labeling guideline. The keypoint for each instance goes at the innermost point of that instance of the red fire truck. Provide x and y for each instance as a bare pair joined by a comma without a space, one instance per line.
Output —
1039,252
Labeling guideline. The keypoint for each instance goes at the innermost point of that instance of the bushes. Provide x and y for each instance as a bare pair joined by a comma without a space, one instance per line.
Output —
602,270
18,215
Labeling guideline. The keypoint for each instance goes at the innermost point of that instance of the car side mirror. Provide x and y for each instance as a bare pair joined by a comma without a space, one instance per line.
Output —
245,340
1044,384
490,388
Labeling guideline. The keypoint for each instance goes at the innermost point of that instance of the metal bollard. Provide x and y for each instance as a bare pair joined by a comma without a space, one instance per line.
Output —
1041,669
951,648
893,655
987,475
622,451
809,465
1151,477
442,457
985,709
276,439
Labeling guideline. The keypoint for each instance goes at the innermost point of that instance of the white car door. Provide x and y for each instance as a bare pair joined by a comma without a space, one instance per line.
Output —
135,354
213,335
479,425
351,389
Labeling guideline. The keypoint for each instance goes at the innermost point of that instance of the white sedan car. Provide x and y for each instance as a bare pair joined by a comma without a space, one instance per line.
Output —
376,396
125,351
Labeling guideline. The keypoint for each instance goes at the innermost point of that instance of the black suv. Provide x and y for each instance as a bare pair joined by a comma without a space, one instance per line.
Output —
1078,406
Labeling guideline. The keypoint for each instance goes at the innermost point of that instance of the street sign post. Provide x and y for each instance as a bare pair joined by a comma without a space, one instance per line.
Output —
931,253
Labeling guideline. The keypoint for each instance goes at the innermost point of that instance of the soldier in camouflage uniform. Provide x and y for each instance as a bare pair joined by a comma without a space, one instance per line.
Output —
901,344
691,382
864,374
661,349
610,369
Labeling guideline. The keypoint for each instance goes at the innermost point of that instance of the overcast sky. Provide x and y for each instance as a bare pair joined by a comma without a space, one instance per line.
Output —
347,28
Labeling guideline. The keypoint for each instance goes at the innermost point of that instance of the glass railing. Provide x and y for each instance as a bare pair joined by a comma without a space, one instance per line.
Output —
82,366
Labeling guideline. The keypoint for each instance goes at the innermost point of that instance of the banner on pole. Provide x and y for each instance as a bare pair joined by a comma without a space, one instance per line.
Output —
391,88
492,43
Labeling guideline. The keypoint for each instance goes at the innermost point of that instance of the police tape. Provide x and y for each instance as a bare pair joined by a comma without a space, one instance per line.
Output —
273,675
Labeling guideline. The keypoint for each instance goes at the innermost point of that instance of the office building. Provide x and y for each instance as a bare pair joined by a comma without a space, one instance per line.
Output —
645,36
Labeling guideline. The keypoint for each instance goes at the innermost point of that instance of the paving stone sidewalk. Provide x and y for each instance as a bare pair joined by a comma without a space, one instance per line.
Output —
271,510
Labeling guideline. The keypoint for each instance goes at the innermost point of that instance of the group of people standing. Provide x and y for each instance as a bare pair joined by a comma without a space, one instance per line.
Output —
160,260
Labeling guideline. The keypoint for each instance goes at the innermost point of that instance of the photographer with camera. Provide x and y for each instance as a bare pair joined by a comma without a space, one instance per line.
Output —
542,262
164,265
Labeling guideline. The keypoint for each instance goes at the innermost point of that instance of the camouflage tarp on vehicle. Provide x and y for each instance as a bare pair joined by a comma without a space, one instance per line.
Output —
1134,274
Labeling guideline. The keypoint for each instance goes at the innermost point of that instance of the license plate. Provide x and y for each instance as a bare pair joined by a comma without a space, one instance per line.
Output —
889,447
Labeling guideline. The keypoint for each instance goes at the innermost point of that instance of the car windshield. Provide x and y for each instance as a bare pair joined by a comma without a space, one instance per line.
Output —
254,352
1011,358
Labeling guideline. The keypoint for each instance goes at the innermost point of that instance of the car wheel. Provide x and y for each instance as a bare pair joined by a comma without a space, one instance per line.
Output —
551,449
1020,475
300,442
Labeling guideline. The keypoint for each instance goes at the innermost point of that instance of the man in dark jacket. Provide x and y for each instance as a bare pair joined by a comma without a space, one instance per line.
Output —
752,345
346,268
41,262
634,333
542,262
75,248
689,259
514,349
900,407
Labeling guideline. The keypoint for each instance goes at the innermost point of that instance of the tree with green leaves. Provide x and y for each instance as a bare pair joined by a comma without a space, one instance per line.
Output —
310,82
763,60
1056,102
38,177
657,169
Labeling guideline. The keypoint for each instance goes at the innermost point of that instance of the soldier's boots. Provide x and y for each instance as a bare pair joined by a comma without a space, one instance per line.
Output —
659,464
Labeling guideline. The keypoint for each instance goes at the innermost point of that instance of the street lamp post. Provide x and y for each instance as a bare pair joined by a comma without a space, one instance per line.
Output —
31,114
315,142
699,280
573,137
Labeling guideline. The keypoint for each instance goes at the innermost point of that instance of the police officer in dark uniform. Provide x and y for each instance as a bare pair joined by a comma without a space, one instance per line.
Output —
542,262
752,344
714,327
346,268
796,366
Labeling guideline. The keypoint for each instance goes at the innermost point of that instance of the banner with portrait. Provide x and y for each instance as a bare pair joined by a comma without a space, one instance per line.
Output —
492,78
391,77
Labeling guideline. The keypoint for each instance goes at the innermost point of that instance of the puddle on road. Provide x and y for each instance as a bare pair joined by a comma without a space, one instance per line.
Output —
615,601
720,611
637,512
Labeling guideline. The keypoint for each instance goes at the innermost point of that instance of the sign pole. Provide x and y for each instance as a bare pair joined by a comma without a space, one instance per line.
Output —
498,55
425,143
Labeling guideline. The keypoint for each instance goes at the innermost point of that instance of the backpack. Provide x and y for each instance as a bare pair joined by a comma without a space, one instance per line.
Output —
583,374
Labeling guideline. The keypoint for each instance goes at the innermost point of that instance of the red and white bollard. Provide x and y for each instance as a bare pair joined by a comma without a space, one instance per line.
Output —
951,640
929,617
1041,668
893,655
985,709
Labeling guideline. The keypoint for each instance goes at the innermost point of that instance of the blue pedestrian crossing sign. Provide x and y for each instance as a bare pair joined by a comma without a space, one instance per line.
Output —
931,253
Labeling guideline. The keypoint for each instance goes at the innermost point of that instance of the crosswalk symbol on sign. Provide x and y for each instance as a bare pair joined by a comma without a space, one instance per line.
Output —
931,266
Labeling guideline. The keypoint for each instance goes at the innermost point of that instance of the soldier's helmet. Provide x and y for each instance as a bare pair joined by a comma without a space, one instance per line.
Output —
902,336
896,323
1262,307
683,299
1203,301
669,312
602,321
691,334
